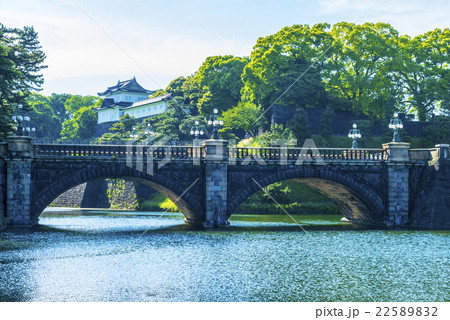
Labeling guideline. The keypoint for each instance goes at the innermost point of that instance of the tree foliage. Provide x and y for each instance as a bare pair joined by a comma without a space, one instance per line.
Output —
358,68
175,87
219,79
277,132
245,116
284,67
299,126
424,75
43,118
83,123
174,122
21,61
77,102
326,122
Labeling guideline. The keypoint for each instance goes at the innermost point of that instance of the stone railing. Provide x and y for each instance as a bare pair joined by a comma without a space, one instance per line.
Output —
117,151
234,154
420,154
295,154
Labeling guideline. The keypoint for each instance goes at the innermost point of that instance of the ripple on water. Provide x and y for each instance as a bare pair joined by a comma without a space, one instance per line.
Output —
260,258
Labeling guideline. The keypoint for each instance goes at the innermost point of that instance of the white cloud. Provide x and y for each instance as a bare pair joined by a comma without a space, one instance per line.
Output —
76,47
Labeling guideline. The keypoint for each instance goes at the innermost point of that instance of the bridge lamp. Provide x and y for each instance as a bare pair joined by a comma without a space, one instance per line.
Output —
355,135
148,131
19,120
215,122
396,124
196,130
133,134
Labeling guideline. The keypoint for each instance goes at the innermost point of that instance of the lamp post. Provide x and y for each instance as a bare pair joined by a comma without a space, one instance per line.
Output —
396,124
196,130
354,134
215,122
133,134
148,131
22,128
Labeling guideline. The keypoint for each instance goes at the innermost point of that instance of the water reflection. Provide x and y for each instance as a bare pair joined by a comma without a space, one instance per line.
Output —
259,258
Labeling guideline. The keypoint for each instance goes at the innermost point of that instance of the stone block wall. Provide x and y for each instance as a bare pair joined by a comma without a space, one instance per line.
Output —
71,198
18,200
2,193
342,121
93,194
430,200
398,196
216,180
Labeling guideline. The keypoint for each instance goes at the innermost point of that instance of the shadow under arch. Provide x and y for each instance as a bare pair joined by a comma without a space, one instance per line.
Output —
174,189
357,201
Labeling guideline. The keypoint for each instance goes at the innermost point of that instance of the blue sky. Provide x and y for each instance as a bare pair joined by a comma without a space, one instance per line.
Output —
162,40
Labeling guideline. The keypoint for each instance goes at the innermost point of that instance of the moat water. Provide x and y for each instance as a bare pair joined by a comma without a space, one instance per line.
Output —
129,256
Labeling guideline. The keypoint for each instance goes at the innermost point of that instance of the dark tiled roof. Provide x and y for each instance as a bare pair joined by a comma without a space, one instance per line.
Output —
126,86
109,103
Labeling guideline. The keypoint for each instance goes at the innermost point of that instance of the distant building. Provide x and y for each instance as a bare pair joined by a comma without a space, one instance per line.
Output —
129,97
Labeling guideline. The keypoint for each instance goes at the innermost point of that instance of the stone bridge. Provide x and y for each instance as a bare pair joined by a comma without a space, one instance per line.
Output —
390,186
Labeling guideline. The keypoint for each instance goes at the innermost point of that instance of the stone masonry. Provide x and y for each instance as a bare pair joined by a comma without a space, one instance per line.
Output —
216,183
393,186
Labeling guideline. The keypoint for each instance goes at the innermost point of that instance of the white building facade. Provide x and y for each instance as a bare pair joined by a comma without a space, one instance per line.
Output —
128,97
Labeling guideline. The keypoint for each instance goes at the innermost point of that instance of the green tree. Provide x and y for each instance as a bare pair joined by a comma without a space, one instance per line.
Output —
175,87
245,116
192,93
121,130
56,102
284,67
83,123
7,75
277,191
170,123
158,93
358,68
21,60
77,102
299,126
424,74
325,123
219,78
276,132
438,132
43,119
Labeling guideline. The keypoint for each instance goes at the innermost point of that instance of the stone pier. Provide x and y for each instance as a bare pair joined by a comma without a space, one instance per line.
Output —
398,183
216,182
18,201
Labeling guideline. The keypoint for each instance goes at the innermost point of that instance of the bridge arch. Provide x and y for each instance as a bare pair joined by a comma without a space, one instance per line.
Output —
173,188
356,199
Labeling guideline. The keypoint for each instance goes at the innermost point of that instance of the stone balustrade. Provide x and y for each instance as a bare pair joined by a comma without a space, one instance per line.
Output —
117,151
296,154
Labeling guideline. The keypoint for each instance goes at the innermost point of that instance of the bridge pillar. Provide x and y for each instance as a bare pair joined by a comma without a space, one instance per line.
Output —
216,178
398,184
18,201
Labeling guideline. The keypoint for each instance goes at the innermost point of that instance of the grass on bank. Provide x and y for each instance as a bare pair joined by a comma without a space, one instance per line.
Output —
157,202
294,197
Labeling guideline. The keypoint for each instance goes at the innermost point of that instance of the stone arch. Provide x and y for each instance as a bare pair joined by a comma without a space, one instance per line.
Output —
357,200
173,188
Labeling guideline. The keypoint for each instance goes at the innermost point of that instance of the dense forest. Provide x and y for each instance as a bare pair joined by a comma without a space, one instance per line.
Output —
369,70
